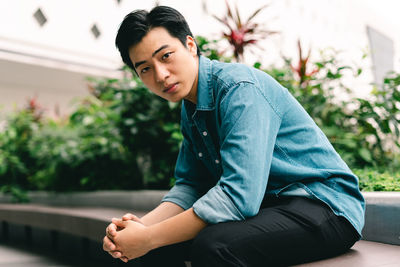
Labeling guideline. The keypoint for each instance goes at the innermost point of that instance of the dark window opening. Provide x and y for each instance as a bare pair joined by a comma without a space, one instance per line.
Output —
40,17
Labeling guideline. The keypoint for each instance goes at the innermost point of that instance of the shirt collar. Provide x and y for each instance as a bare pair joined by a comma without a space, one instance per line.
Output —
205,94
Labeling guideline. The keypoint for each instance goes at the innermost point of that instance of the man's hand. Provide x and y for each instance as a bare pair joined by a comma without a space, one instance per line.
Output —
133,240
111,231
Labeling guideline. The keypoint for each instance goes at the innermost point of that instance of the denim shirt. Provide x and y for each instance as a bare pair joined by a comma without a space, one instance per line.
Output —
248,139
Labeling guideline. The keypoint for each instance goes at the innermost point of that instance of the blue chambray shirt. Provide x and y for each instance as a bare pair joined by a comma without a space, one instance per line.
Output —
248,138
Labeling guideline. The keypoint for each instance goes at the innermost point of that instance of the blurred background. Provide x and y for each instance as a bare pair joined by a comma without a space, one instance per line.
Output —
72,115
47,48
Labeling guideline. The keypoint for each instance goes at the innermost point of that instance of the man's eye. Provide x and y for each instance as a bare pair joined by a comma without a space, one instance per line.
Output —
166,55
144,70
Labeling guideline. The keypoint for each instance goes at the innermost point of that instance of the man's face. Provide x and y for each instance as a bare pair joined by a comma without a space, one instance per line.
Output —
166,66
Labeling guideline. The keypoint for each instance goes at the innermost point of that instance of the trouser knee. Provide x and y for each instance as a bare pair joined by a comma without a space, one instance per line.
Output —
209,249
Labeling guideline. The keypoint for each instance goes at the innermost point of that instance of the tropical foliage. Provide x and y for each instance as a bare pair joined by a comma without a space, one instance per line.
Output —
364,131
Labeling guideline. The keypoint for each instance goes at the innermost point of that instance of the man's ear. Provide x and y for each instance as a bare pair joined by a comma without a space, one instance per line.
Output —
191,45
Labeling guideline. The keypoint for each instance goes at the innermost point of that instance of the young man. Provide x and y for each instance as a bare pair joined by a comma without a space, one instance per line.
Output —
257,182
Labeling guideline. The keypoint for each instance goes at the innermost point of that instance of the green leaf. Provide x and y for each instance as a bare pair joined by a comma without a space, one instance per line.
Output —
84,181
257,65
365,154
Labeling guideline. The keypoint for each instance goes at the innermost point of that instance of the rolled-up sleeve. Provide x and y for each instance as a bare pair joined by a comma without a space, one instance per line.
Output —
190,178
248,131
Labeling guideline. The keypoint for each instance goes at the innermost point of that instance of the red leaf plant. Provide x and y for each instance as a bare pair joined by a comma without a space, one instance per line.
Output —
33,107
242,34
302,69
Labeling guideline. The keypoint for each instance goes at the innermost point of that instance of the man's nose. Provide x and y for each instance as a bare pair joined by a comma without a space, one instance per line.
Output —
161,73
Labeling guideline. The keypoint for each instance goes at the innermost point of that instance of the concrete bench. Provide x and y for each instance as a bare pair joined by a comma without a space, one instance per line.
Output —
88,222
66,213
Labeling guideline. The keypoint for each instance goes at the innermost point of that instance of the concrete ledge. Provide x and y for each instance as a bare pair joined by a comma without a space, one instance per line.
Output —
84,214
142,200
381,220
88,222
87,214
363,254
382,217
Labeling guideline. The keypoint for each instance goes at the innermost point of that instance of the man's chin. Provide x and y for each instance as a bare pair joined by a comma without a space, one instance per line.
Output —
174,100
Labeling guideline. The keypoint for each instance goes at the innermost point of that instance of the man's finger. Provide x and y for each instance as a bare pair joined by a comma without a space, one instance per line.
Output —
108,245
105,247
130,216
116,254
119,222
111,230
124,259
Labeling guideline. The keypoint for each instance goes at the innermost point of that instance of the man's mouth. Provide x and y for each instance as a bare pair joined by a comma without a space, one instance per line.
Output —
170,88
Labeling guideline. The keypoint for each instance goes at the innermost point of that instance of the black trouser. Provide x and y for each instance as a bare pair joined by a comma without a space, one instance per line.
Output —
285,232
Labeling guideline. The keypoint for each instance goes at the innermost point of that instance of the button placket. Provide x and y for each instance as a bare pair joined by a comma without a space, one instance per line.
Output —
209,153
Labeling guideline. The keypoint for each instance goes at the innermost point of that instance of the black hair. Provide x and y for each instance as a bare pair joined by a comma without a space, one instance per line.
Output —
139,22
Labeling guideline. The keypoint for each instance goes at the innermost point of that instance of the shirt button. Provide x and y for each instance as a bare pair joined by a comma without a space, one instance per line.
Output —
200,154
217,161
205,133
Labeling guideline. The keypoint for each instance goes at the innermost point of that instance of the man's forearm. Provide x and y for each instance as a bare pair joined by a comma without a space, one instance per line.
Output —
182,227
164,211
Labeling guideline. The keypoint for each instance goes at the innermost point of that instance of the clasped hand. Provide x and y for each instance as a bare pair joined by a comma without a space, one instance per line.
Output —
127,238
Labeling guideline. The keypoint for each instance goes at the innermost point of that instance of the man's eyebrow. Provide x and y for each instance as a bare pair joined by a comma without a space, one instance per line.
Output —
159,49
139,63
152,55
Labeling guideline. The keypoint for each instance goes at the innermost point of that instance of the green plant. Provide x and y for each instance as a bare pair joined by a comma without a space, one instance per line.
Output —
209,49
18,195
364,132
375,180
149,126
302,68
379,122
16,162
84,153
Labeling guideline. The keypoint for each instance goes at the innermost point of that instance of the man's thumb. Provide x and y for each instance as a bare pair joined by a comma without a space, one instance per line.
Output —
132,217
119,222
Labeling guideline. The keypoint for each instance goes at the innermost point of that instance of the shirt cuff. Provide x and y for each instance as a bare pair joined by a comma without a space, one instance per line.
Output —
182,195
216,207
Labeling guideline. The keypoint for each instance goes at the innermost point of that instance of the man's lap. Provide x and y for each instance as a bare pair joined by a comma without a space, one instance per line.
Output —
286,231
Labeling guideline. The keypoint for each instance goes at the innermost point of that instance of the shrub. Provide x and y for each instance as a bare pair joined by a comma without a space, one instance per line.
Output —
376,180
16,162
149,127
84,152
364,132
